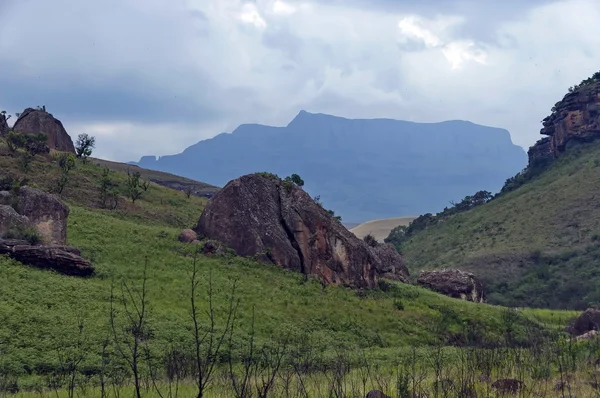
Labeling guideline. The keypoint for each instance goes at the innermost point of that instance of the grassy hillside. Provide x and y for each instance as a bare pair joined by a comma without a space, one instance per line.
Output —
538,245
40,310
161,178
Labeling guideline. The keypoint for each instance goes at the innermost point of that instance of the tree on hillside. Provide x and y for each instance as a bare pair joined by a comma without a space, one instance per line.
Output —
66,163
6,117
84,145
295,178
134,188
15,141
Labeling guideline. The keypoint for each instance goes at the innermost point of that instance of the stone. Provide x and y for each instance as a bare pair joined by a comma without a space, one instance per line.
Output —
213,248
454,283
588,321
45,212
187,236
262,216
575,118
36,121
63,259
10,220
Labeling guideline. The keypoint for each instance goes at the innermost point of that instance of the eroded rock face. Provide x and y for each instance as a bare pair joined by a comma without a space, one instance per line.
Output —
260,215
35,121
586,322
46,212
454,283
577,117
3,126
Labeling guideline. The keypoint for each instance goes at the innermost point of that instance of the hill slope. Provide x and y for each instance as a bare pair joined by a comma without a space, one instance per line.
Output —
40,310
538,245
362,169
380,229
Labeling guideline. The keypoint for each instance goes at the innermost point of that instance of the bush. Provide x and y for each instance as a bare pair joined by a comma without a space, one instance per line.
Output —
29,234
399,305
370,240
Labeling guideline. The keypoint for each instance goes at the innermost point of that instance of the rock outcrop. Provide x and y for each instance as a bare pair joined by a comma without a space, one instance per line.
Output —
63,259
45,212
3,126
586,322
454,283
575,118
260,215
35,121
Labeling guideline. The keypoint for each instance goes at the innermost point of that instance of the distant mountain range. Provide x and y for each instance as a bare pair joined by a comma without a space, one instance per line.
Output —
363,169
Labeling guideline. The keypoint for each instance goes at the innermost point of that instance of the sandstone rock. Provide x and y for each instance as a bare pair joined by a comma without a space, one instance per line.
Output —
11,220
376,394
187,236
260,215
63,259
3,126
46,212
576,117
35,121
454,283
588,321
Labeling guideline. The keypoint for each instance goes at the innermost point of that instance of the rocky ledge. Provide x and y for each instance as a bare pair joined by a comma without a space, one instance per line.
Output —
454,283
575,118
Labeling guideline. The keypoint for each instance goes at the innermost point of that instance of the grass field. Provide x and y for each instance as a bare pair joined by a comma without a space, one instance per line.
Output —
536,246
46,317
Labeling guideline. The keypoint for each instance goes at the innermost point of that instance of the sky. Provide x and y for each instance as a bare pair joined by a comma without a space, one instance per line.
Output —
151,77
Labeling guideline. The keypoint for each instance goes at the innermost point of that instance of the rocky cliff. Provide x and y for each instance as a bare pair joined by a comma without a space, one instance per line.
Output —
575,118
261,215
35,121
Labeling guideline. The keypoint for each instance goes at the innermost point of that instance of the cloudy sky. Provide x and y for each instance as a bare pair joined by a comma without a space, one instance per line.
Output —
155,76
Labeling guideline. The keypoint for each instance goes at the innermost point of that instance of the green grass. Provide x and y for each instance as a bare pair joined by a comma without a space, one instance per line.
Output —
40,310
536,246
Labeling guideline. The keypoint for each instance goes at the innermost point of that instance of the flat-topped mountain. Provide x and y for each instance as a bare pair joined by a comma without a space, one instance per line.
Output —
363,169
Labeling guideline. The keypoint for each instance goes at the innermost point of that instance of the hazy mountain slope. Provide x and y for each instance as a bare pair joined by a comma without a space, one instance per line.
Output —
380,229
362,169
538,245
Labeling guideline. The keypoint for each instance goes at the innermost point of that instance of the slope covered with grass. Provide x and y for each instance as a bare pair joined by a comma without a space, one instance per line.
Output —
538,245
40,310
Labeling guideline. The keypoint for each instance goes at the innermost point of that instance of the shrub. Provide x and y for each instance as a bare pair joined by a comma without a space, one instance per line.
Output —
28,234
399,305
370,240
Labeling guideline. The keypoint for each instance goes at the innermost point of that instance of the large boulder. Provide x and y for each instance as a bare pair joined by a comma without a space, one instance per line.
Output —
35,121
3,126
589,320
277,222
63,259
45,212
454,283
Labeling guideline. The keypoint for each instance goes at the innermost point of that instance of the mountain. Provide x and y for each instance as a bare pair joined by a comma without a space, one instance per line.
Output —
538,242
362,169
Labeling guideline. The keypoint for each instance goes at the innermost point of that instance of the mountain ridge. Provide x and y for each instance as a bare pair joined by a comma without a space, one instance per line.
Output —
363,169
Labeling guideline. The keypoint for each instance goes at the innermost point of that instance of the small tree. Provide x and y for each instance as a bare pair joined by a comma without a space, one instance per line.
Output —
15,141
370,240
188,191
108,193
66,162
4,115
36,144
295,178
84,145
134,189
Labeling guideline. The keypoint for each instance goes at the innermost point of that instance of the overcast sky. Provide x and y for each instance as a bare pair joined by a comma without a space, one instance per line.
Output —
155,76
